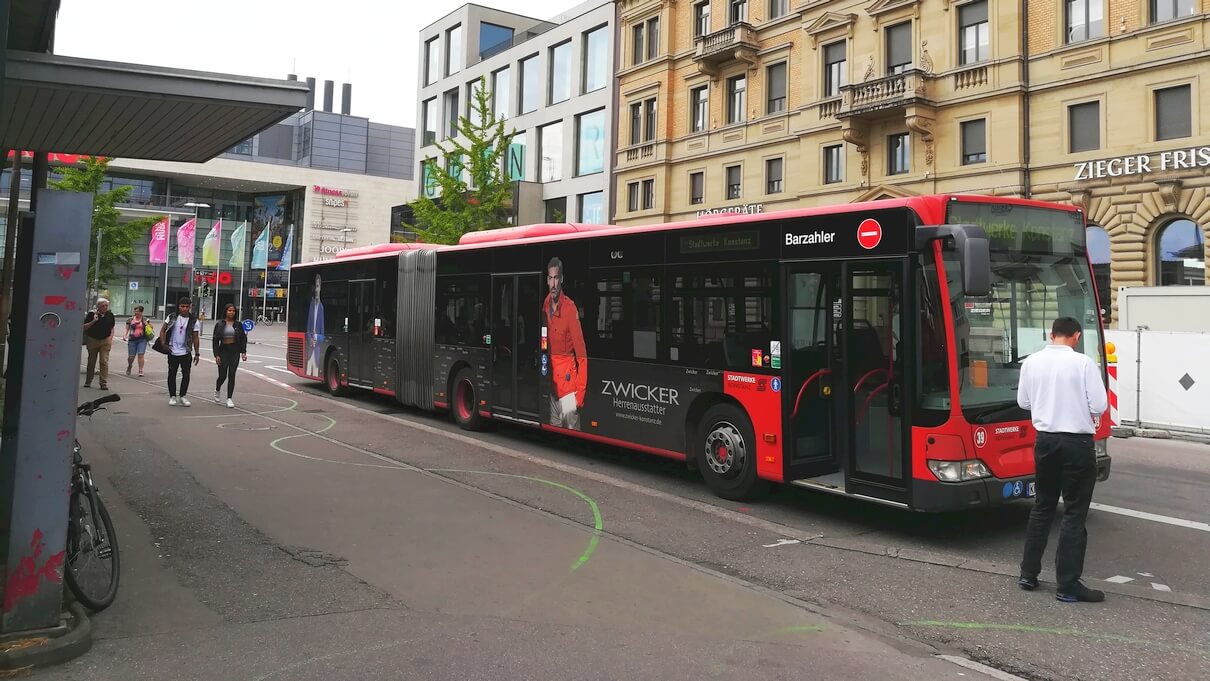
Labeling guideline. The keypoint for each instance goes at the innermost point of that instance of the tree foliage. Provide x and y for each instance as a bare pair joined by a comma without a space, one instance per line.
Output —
117,238
476,153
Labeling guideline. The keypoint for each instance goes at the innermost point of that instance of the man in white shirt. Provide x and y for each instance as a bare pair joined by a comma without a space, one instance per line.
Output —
1063,391
181,335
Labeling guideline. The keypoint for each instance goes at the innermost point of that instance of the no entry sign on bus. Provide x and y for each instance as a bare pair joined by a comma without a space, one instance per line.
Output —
869,234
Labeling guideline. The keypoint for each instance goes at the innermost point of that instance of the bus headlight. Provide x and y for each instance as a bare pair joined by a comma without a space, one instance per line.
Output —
959,471
1102,447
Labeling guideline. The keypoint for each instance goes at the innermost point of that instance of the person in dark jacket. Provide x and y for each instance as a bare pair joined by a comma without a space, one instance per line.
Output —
230,345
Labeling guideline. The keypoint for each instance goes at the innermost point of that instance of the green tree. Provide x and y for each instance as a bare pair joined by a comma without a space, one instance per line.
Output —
476,152
117,238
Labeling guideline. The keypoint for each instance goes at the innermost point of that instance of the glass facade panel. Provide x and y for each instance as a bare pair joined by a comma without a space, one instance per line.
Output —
590,143
596,59
550,152
560,73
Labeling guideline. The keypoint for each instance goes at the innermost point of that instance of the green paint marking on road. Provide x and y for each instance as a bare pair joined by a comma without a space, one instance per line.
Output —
597,524
1029,629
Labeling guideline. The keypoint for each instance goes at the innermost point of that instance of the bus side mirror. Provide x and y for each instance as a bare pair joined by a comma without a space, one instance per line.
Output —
974,254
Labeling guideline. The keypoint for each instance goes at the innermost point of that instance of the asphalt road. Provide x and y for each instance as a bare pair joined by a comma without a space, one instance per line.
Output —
315,480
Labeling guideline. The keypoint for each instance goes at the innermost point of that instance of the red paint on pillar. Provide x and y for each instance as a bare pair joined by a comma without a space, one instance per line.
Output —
24,581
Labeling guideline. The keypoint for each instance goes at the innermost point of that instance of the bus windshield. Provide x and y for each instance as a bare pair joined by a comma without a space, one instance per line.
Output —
1039,272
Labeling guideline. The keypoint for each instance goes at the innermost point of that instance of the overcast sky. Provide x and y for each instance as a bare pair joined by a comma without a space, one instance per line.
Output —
370,43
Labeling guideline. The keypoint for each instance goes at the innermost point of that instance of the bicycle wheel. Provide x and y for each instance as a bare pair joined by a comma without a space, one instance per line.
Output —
92,553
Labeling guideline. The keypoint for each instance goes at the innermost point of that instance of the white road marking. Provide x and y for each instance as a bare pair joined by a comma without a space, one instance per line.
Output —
1146,574
782,542
1153,517
980,667
274,381
1160,587
1119,579
284,370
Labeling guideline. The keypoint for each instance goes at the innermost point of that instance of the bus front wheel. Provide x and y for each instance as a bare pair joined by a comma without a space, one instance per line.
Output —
332,376
726,453
464,404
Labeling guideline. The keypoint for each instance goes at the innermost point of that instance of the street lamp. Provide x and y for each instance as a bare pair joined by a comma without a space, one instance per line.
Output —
192,266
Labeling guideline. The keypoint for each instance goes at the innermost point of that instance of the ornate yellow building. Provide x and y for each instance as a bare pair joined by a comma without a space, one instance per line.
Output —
758,105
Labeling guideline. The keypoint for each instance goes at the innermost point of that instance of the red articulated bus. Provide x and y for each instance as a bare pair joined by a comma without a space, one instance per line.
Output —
869,350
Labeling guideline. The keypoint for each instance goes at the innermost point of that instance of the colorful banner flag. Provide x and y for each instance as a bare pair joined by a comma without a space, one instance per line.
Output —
212,245
184,242
260,250
287,251
237,245
157,250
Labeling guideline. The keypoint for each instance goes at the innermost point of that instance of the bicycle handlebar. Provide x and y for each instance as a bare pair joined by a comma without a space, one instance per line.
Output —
90,407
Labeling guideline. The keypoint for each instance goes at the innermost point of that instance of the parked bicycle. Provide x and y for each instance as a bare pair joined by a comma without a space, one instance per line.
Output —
92,545
267,320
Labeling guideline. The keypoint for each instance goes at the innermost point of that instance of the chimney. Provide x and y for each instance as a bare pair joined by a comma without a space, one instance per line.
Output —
291,76
346,99
310,93
329,93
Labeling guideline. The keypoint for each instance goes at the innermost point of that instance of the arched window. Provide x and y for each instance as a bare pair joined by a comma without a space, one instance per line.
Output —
1098,255
1181,254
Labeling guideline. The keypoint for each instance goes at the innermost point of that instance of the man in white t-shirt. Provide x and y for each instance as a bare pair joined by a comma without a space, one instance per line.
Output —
180,335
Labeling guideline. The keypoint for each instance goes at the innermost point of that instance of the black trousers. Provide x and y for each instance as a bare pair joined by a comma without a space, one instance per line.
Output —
1067,467
228,362
184,364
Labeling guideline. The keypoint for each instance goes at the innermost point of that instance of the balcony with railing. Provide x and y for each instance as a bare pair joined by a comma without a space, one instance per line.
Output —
641,154
892,94
737,42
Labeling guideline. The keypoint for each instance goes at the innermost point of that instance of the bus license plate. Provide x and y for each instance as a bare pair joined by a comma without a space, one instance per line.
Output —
1031,489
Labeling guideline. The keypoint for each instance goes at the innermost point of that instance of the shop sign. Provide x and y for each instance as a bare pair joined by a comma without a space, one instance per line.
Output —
332,191
1138,164
746,209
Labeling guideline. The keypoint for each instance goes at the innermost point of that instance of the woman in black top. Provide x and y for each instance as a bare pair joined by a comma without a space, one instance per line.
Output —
230,345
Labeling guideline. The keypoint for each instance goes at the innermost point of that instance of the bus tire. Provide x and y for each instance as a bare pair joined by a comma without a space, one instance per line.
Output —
464,401
725,451
332,376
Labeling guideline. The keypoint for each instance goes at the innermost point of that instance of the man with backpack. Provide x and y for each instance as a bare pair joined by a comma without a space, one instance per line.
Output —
179,336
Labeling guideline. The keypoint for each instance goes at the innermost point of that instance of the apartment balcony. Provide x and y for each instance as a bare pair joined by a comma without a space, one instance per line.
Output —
886,96
736,43
641,154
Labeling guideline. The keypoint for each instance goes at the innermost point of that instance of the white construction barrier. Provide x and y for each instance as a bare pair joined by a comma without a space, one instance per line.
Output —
1174,390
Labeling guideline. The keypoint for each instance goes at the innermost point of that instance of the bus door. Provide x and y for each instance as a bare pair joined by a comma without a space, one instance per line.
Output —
361,332
876,358
515,331
812,366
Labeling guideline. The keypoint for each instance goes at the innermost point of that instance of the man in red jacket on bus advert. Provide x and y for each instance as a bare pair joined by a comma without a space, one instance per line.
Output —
563,341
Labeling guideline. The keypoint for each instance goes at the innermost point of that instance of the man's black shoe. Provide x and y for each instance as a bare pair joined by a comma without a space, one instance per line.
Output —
1080,593
1027,583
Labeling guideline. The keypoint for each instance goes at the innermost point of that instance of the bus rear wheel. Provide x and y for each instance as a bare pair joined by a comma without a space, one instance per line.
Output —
464,401
332,376
726,453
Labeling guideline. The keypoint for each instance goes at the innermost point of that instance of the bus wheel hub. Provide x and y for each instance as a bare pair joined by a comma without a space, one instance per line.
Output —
725,449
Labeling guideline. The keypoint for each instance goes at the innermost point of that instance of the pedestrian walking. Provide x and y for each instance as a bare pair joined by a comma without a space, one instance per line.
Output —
98,338
138,330
1063,391
230,344
181,336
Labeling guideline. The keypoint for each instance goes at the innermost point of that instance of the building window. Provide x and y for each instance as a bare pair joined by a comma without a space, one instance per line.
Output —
778,8
899,48
642,121
738,12
974,38
501,92
835,68
529,84
632,197
432,61
737,97
649,118
453,50
596,59
648,194
451,113
699,98
590,142
428,121
1173,113
1085,19
775,86
974,141
1098,254
591,208
697,188
1167,10
555,209
701,19
515,159
645,43
493,39
734,182
773,175
477,118
833,164
560,72
636,123
1182,254
899,158
550,152
1084,127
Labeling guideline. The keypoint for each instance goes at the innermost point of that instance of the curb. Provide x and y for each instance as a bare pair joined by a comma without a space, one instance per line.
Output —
1160,434
23,655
